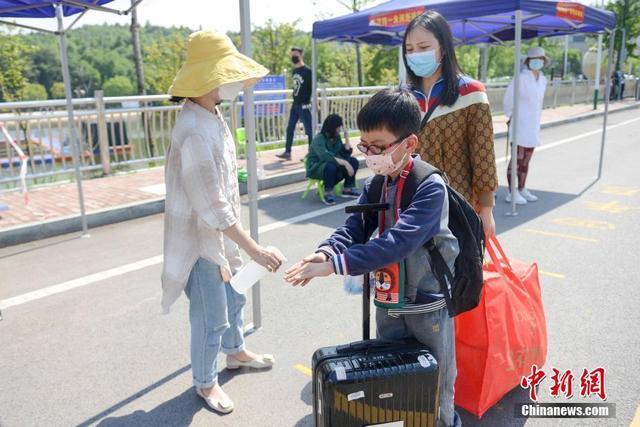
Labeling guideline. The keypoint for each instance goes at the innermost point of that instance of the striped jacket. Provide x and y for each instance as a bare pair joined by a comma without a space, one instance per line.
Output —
458,140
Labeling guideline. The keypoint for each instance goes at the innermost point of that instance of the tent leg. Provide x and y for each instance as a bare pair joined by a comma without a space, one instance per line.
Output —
73,137
606,102
314,87
402,71
514,117
596,92
245,30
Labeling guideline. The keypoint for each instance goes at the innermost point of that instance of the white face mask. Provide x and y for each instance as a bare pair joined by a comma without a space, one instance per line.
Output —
230,91
383,164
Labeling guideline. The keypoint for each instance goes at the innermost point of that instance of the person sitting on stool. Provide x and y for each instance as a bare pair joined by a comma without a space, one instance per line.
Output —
330,159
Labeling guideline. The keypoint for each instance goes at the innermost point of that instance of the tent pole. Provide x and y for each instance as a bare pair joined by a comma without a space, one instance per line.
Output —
73,137
566,57
606,101
250,126
596,92
514,117
402,71
314,86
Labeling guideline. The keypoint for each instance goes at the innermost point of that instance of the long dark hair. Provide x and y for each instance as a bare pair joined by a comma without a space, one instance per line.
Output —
330,126
435,23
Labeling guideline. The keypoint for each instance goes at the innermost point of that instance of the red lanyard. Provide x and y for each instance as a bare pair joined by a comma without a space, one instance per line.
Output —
396,207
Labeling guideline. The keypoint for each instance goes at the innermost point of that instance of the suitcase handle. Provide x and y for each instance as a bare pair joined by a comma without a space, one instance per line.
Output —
367,208
368,345
363,210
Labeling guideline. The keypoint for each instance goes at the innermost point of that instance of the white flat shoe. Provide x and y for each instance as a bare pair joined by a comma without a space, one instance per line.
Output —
261,362
519,199
223,406
528,196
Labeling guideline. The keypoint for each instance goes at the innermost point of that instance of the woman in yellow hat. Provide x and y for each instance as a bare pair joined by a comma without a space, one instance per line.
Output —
202,233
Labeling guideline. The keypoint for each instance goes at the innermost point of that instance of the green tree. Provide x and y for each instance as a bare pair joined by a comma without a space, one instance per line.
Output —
336,64
356,6
33,92
628,18
44,62
272,45
118,86
163,58
83,75
13,64
468,59
380,65
57,90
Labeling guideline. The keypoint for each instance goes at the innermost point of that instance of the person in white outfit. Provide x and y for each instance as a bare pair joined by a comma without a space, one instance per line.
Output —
530,100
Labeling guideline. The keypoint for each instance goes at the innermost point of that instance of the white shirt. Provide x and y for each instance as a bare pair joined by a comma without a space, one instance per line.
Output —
202,198
530,102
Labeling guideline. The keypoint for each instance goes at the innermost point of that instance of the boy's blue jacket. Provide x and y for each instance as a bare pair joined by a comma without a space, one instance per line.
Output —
425,218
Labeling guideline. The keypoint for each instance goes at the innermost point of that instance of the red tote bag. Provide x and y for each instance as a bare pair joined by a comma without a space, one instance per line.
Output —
498,341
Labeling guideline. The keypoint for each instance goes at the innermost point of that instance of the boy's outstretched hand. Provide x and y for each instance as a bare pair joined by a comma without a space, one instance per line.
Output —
314,265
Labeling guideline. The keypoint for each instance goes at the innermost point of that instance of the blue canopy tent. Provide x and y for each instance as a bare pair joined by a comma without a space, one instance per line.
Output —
472,21
59,9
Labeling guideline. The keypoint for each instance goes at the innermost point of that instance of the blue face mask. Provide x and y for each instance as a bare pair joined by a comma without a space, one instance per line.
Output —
536,64
423,64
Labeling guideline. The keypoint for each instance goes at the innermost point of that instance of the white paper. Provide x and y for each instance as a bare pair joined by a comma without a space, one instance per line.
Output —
355,396
251,273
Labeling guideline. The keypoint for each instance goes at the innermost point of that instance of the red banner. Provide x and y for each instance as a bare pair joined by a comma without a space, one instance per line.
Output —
571,11
396,18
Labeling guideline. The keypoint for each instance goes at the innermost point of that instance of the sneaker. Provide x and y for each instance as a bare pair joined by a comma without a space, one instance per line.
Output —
350,192
329,199
519,199
529,197
284,156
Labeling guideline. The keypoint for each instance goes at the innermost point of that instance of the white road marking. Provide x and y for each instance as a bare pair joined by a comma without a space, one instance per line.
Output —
80,282
138,265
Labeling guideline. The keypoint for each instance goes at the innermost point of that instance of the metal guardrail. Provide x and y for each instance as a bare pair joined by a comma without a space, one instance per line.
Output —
121,132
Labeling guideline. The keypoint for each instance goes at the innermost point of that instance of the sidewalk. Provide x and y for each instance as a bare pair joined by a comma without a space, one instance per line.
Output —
52,208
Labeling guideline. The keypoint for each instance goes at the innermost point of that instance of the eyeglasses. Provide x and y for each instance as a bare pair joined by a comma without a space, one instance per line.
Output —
375,150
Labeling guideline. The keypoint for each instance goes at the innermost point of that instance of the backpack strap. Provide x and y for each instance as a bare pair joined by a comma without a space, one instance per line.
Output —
421,171
374,194
428,114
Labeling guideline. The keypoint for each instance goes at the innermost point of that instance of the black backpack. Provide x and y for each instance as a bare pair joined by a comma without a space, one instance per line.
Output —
466,226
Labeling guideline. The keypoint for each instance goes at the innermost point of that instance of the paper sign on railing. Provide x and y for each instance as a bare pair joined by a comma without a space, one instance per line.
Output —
23,162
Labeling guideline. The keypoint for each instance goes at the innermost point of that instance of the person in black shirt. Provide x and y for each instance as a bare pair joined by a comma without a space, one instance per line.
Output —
301,108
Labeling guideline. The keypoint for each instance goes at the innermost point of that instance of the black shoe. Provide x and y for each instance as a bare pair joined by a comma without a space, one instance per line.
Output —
284,156
350,192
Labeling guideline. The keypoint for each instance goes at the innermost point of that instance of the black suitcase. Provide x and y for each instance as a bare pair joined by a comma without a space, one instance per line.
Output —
375,382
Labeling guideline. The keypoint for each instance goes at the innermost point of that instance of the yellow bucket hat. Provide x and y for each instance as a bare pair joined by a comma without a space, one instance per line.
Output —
212,61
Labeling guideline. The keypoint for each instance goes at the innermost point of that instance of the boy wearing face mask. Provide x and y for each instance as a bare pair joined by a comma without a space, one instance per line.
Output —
533,85
389,124
301,108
